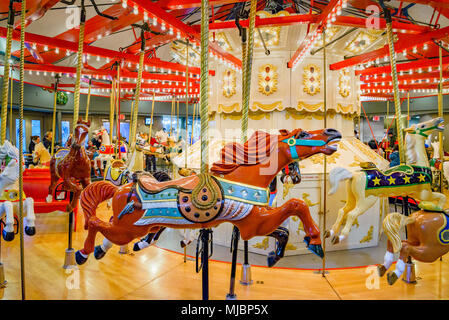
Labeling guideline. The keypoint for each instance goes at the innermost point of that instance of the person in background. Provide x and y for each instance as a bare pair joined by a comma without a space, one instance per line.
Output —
394,156
34,141
47,140
373,145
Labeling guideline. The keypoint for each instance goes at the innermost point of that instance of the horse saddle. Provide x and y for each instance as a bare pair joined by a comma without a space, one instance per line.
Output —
199,198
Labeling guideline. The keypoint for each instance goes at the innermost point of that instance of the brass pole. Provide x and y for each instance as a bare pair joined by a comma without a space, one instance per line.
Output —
187,104
53,124
397,103
440,114
10,106
408,108
325,158
171,115
88,100
193,124
4,114
111,111
151,120
22,71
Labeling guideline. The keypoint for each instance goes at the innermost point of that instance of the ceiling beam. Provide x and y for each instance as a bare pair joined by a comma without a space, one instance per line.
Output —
184,4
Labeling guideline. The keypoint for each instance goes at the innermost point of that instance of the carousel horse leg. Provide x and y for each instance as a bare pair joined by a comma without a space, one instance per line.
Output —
89,244
362,207
188,238
51,188
149,240
388,260
262,221
342,213
281,235
8,231
30,228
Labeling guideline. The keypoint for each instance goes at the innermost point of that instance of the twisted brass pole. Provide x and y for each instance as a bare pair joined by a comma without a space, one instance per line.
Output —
53,123
187,104
204,86
440,114
79,65
137,95
111,111
6,70
325,158
22,71
248,68
397,102
10,105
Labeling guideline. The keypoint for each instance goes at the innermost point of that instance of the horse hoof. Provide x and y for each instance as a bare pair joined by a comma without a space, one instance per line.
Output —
327,234
30,231
99,253
391,278
136,247
335,240
381,270
272,259
182,244
8,236
316,249
307,240
79,258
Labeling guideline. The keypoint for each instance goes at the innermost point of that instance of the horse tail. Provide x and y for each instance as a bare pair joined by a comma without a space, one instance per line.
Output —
392,225
93,195
335,176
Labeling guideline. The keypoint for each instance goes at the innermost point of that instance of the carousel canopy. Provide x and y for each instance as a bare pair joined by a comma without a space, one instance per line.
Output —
352,29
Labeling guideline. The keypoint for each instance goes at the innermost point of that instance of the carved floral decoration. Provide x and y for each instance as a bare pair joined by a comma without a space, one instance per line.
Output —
311,79
268,79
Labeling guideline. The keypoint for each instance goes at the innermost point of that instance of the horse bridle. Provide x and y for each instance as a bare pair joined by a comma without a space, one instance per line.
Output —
421,132
293,142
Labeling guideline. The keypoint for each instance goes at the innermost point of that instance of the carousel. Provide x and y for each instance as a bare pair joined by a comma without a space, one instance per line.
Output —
181,116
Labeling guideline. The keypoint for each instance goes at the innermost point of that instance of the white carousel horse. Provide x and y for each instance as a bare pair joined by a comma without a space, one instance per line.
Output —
9,194
366,186
106,151
41,156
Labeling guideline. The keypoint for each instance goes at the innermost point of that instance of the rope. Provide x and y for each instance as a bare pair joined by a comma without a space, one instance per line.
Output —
244,124
204,89
10,105
397,104
248,69
6,73
193,124
88,101
76,103
22,71
137,97
187,104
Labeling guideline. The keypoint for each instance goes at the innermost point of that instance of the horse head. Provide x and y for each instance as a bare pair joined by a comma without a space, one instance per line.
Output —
300,144
8,150
81,131
416,136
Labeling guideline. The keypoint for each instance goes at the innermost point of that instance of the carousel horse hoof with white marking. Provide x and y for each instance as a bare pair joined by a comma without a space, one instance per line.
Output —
80,258
99,252
30,231
7,236
234,191
413,179
392,278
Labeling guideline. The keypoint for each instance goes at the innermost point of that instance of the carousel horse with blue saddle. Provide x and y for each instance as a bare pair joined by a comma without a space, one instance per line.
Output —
235,190
413,179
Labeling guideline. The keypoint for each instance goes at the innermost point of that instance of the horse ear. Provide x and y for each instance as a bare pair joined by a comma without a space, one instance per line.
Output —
284,132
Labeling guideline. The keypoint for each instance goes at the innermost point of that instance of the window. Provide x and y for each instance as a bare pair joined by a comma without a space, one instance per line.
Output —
65,131
36,128
24,147
124,130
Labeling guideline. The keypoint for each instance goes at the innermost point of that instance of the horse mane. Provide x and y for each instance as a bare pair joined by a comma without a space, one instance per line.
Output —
256,150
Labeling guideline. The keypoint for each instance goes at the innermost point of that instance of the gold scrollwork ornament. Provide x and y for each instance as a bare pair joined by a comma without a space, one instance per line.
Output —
311,79
268,79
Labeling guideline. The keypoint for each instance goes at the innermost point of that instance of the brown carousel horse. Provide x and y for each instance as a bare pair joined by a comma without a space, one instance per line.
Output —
72,165
427,240
236,191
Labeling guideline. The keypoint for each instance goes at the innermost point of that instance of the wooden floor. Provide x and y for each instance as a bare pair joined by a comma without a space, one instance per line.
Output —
159,274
